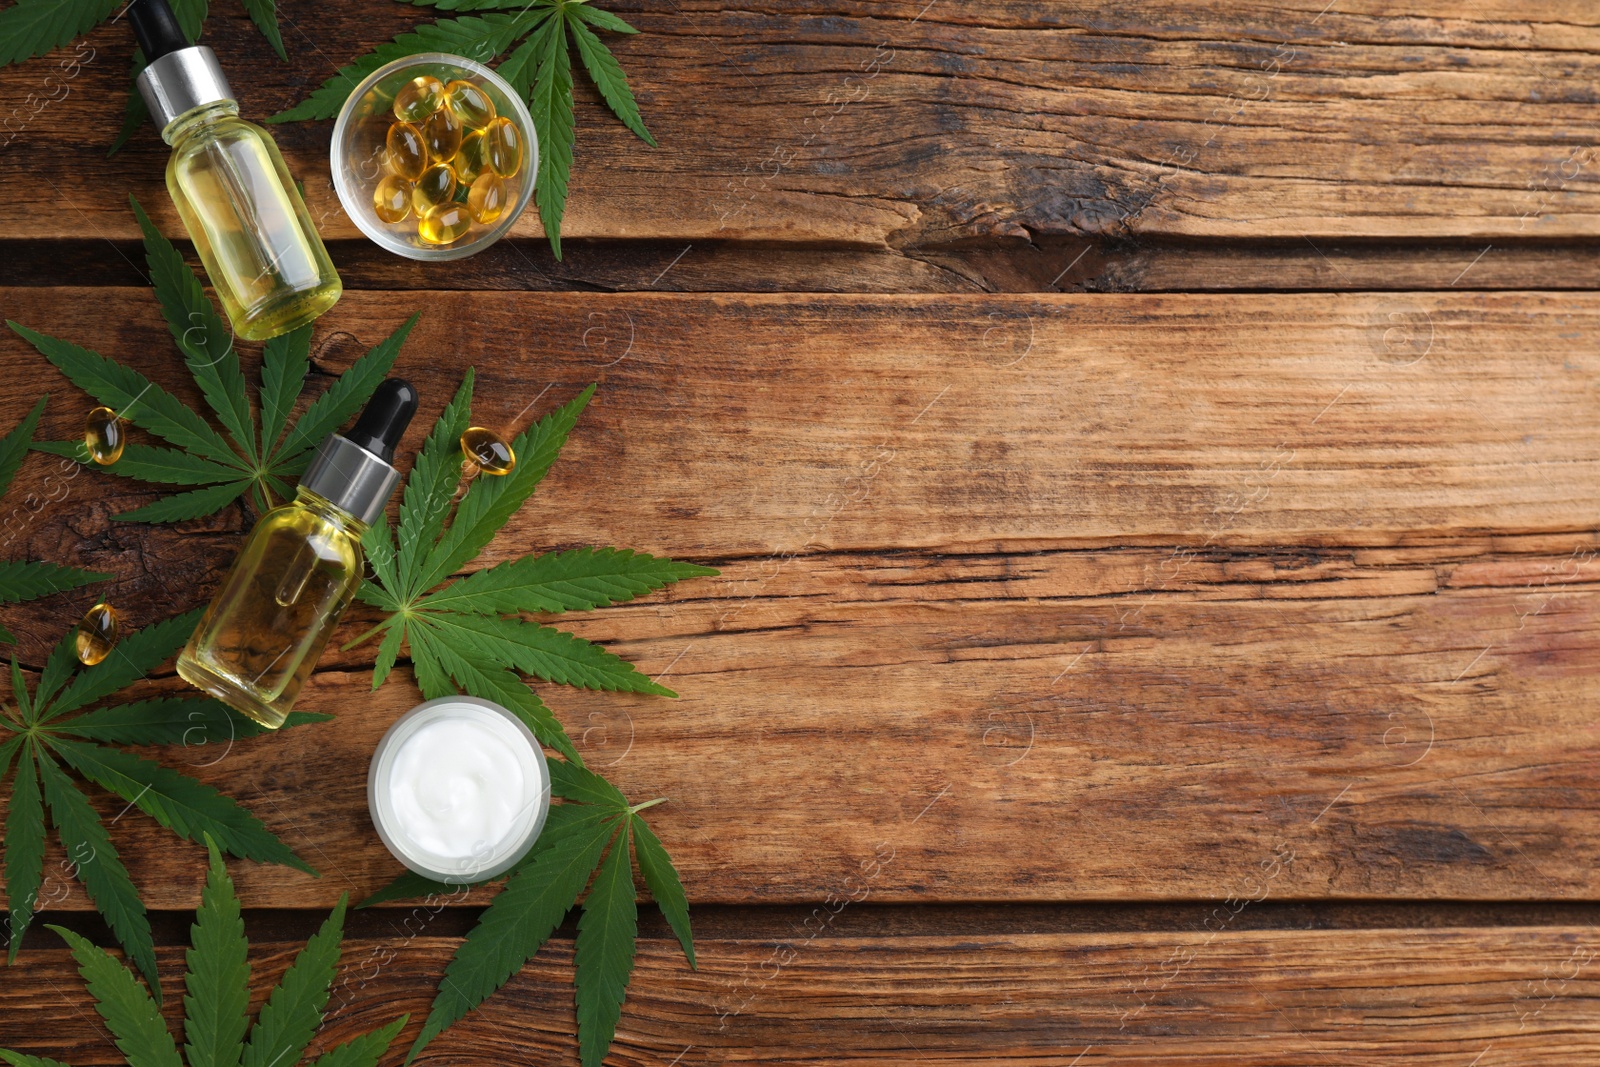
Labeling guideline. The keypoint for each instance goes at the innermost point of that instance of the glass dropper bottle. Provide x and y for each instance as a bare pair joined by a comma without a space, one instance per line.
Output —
231,187
299,568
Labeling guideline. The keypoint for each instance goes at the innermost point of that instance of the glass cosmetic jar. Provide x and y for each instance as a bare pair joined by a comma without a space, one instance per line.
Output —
458,789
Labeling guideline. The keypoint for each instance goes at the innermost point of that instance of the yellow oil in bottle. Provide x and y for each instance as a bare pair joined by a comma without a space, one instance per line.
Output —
97,634
251,229
491,452
103,437
267,626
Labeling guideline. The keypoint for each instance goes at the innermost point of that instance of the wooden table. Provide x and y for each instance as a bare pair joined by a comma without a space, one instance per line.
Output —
1150,450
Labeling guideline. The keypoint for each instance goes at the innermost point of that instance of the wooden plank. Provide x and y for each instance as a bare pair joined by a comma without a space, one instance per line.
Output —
1147,266
819,996
754,425
526,263
1405,732
1050,266
1078,640
778,122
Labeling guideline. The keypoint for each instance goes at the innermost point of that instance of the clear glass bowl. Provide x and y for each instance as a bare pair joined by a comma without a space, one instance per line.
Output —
358,154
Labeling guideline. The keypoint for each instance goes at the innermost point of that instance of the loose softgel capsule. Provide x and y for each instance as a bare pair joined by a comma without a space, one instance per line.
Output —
488,450
103,437
97,634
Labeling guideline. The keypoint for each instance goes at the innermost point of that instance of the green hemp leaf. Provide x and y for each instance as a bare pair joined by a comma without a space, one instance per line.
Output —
49,725
29,579
540,68
260,461
591,830
216,1025
32,28
471,633
470,636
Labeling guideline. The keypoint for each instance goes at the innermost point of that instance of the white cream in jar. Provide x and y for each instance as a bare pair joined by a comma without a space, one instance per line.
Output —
458,789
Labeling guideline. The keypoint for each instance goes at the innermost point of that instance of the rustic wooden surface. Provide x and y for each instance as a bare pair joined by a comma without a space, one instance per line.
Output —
1150,455
1256,999
914,123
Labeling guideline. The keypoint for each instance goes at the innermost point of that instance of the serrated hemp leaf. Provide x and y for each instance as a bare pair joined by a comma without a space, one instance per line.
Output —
539,68
550,104
218,997
28,579
522,916
293,1010
54,727
469,636
604,69
605,948
246,459
31,28
542,888
24,845
217,1005
662,879
133,1018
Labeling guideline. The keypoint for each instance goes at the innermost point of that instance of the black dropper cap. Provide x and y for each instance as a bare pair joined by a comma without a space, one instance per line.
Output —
156,28
385,418
355,471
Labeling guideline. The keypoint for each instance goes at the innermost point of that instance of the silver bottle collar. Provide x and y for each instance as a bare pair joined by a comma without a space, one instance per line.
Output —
350,478
181,81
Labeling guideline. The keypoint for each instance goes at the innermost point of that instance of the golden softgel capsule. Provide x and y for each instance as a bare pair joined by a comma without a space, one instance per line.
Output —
391,200
491,452
450,162
97,634
472,158
103,437
444,223
471,105
436,186
487,198
406,155
418,98
504,142
442,135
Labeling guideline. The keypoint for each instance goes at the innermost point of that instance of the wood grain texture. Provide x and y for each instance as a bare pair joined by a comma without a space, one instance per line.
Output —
585,266
1180,266
753,425
1437,998
1067,265
912,124
1189,582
